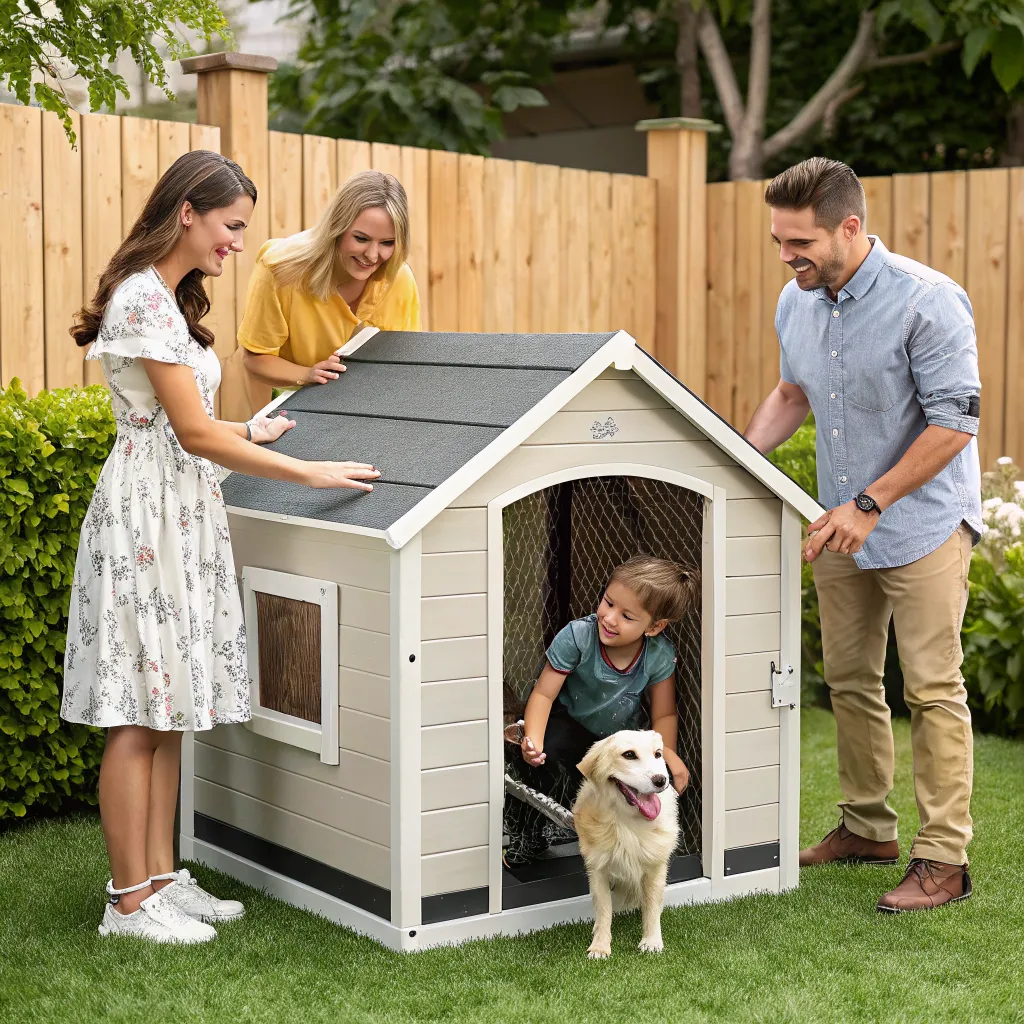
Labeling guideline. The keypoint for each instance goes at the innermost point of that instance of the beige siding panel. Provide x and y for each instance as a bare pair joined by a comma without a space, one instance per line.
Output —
456,529
747,595
363,691
459,700
745,672
304,551
456,828
444,618
444,746
531,461
752,634
465,658
749,826
368,776
745,712
347,812
358,857
751,787
365,734
736,480
751,749
365,609
462,572
451,872
620,426
612,374
753,517
364,650
454,787
753,556
610,395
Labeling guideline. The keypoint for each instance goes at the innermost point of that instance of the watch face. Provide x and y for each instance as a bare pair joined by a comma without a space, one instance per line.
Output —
864,503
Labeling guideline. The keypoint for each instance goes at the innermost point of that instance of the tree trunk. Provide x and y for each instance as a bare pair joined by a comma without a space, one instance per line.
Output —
1013,154
686,61
746,159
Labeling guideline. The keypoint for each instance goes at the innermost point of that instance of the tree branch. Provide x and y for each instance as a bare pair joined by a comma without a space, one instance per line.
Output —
715,53
898,60
828,120
814,109
760,66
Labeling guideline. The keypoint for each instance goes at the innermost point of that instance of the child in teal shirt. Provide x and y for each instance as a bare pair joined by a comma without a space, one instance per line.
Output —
598,669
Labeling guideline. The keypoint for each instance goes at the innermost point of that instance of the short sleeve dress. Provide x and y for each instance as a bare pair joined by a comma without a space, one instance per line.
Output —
155,631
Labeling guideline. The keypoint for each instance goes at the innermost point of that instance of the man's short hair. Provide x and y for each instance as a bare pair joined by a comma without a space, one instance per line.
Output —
828,187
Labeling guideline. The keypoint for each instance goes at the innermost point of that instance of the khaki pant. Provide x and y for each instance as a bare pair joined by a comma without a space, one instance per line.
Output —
927,599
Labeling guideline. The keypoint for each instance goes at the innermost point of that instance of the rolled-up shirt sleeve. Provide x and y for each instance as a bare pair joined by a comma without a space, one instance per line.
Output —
943,349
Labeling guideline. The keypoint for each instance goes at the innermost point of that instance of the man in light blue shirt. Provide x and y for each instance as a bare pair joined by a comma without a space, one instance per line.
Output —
883,351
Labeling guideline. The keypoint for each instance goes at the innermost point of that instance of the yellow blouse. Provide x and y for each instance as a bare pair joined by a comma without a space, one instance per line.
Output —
288,322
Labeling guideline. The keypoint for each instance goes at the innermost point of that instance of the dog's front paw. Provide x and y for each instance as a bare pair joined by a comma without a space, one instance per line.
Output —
651,944
599,951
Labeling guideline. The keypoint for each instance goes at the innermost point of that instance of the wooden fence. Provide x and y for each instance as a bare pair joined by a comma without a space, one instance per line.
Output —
967,224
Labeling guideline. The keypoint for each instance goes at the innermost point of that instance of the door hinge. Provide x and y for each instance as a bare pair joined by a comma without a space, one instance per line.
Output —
785,687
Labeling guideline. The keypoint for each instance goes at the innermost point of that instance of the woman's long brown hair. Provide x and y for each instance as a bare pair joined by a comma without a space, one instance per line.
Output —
206,180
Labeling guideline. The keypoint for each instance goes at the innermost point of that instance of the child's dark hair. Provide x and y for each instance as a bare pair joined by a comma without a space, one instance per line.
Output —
666,590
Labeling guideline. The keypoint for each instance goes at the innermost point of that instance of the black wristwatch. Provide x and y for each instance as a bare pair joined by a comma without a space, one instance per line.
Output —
867,504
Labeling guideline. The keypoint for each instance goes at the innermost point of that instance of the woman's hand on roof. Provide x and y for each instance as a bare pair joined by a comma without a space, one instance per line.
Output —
266,429
341,474
326,370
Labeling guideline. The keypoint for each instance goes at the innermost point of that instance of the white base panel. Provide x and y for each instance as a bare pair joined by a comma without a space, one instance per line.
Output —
518,921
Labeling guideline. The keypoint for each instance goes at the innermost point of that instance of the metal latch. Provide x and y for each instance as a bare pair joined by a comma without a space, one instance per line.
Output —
785,687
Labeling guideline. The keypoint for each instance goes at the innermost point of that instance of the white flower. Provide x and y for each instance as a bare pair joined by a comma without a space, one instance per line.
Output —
1019,487
1011,514
991,503
1004,461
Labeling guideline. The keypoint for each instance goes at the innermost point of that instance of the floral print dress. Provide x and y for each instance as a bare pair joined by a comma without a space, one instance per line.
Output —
155,631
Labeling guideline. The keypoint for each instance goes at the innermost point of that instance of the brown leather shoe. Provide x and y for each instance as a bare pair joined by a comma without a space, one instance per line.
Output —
841,846
926,885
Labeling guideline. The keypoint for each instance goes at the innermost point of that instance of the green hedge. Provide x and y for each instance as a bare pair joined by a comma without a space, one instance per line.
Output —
993,634
52,448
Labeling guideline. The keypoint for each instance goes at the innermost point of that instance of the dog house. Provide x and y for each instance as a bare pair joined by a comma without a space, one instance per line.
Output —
392,634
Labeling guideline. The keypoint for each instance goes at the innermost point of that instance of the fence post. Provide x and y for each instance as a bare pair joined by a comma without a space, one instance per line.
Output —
677,156
232,94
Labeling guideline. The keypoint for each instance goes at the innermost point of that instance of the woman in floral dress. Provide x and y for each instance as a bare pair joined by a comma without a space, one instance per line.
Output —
156,643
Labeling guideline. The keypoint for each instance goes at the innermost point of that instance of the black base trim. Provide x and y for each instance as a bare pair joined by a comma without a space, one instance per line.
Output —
369,897
741,859
448,906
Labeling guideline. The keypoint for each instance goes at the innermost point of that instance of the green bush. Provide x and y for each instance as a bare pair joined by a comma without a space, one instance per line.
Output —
52,448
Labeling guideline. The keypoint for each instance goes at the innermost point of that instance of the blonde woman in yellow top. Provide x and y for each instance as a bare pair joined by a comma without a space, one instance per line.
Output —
308,292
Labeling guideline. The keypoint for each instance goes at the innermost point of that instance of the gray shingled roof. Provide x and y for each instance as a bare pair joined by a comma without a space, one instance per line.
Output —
418,406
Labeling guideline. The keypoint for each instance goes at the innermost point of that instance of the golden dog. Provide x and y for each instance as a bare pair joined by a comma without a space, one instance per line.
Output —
628,823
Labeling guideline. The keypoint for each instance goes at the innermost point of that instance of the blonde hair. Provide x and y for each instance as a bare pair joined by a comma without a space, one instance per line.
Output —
309,259
664,589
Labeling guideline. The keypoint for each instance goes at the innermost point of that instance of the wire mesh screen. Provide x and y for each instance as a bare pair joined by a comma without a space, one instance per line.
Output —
560,546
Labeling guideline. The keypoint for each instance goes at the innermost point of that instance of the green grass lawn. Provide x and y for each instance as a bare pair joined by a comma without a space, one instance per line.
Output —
820,953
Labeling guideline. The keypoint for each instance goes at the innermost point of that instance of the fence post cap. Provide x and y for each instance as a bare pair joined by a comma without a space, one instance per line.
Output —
228,59
693,124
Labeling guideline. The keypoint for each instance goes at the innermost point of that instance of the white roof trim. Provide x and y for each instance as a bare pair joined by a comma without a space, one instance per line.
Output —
357,341
718,431
618,349
316,524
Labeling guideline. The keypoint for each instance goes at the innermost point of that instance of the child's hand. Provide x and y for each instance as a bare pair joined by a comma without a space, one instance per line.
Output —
680,773
531,755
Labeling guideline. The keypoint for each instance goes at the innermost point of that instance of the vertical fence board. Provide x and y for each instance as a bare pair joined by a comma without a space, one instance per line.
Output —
443,278
747,364
645,191
697,268
62,250
500,245
523,269
600,197
721,293
140,166
910,216
352,156
546,245
285,154
775,275
988,197
172,141
387,158
469,225
948,250
1013,445
623,296
878,193
575,227
416,181
319,175
22,338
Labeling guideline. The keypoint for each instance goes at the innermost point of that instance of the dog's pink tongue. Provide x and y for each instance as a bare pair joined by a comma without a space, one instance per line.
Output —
649,805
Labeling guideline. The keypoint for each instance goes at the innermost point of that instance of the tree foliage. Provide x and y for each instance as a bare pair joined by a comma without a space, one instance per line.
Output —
43,44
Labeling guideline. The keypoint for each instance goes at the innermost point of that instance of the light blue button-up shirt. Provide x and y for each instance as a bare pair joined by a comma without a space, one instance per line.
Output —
895,352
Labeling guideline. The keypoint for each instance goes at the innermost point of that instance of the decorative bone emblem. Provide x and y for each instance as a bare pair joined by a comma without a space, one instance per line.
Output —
599,431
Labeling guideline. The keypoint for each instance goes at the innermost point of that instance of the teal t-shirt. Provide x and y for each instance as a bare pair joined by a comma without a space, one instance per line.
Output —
595,693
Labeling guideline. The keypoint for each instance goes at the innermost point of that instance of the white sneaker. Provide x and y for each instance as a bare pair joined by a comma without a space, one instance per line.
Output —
188,896
157,920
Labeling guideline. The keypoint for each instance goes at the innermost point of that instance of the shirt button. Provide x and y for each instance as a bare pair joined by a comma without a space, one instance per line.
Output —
834,353
835,313
842,479
835,432
833,395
